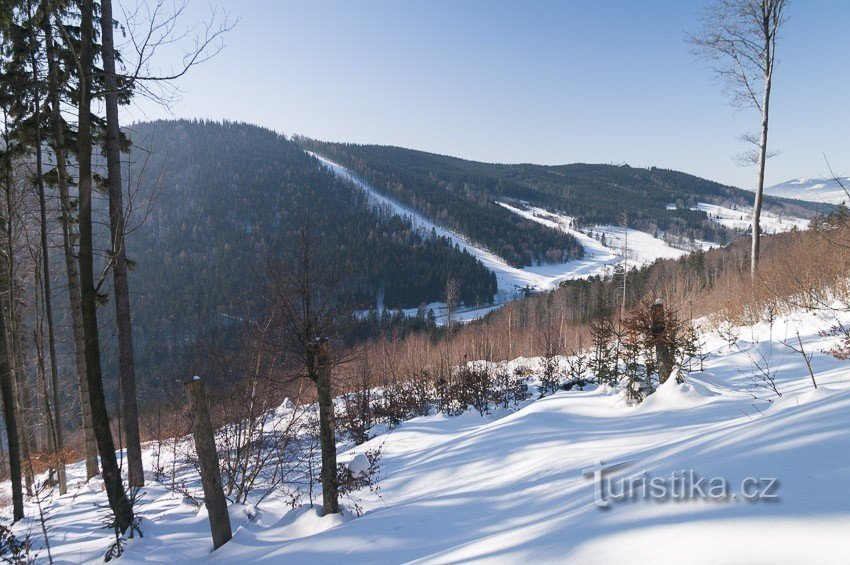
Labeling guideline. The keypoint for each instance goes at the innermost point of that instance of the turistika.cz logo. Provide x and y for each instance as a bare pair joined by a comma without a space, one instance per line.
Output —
678,486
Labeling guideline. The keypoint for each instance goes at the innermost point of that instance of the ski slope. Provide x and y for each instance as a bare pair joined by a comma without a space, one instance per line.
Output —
822,190
511,487
742,219
641,248
511,280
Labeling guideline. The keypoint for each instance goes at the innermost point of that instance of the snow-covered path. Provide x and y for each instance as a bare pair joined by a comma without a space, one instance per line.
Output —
641,248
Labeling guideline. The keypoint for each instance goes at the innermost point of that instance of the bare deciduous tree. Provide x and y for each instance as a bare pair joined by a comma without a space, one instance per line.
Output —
307,303
739,41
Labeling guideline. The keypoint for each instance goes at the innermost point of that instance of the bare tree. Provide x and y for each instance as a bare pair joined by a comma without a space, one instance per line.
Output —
739,40
307,303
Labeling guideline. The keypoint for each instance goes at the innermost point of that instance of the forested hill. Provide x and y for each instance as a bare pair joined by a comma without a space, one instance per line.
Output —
464,193
229,197
454,198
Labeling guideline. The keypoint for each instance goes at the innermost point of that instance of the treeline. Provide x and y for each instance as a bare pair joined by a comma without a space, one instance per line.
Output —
451,190
455,198
805,269
63,254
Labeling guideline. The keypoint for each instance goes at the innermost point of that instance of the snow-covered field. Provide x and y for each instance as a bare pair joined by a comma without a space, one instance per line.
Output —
512,486
826,191
641,248
742,219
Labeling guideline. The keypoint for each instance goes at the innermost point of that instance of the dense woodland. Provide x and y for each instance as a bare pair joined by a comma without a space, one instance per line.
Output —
461,200
220,202
463,194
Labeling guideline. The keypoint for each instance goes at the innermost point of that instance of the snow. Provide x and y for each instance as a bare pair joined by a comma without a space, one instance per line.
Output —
359,466
509,487
642,248
599,259
511,280
824,190
741,219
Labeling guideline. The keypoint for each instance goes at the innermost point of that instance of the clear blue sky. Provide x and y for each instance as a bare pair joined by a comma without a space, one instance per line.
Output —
522,81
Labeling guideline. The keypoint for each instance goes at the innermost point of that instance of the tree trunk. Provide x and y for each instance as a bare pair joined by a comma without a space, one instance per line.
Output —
60,152
126,366
765,112
204,436
45,259
11,420
324,390
26,425
13,344
663,354
118,501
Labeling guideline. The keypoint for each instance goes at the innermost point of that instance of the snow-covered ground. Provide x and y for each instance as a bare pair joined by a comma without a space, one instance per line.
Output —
742,219
513,486
824,190
510,279
641,248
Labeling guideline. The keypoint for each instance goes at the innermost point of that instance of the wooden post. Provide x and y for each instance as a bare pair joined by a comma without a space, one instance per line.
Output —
208,459
662,348
324,392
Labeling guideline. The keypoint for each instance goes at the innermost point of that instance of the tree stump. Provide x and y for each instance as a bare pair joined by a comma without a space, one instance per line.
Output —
324,390
202,430
663,353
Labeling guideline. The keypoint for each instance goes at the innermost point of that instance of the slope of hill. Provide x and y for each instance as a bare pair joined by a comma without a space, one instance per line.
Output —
460,203
747,477
598,256
229,198
824,191
462,194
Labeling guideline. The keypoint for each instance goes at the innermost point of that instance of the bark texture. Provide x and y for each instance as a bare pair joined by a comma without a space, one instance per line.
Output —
120,287
118,501
204,435
324,390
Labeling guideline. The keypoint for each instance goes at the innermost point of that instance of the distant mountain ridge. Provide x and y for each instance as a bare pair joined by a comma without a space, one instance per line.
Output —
820,190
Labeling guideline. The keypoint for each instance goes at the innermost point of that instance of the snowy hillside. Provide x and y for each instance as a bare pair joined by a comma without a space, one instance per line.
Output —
511,280
741,219
518,485
643,249
824,190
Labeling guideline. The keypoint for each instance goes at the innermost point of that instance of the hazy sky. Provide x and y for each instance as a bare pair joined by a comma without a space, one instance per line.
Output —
521,81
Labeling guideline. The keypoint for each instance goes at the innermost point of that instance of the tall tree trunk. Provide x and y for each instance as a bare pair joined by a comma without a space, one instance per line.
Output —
26,422
126,366
756,243
45,258
11,419
61,154
51,435
324,390
118,501
13,343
